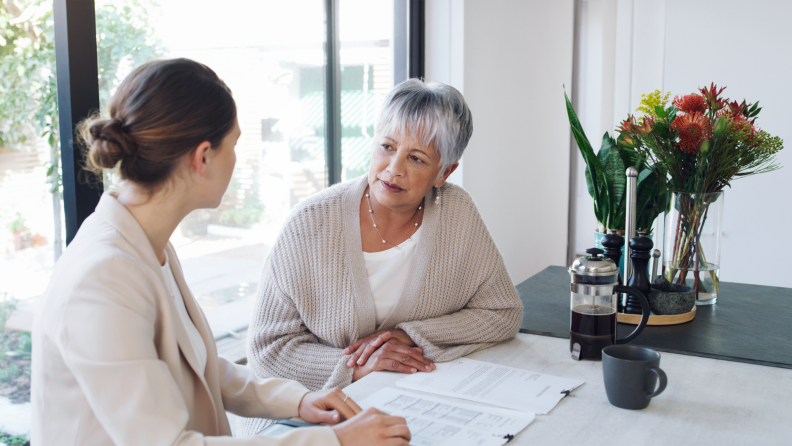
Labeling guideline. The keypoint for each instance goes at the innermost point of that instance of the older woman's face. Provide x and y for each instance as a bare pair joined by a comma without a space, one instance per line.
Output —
403,170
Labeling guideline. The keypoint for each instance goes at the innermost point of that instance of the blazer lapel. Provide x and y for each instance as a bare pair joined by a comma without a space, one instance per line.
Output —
200,322
118,216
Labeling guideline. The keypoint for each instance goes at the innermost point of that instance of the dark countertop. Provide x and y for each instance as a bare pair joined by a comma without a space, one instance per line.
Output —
750,323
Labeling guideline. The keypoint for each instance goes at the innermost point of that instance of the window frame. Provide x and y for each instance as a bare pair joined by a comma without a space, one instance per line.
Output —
78,90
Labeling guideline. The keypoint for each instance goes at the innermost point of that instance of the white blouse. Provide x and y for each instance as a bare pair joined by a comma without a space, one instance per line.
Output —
387,273
195,337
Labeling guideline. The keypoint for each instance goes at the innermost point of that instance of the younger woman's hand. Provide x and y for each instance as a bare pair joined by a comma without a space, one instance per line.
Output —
329,406
373,428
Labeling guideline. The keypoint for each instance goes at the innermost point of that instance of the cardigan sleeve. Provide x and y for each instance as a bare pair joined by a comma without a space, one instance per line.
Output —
495,310
281,345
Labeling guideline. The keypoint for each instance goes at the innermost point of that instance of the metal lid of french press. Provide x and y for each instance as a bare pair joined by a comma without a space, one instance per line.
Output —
594,265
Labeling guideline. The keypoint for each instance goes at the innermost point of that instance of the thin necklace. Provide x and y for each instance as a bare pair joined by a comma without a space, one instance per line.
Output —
371,214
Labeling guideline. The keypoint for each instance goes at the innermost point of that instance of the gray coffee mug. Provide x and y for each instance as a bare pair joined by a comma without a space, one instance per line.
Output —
630,375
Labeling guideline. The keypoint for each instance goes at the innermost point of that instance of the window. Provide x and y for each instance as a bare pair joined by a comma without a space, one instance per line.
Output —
366,77
31,215
278,58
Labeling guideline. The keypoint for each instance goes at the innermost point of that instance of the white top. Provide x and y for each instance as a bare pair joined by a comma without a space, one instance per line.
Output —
195,338
387,273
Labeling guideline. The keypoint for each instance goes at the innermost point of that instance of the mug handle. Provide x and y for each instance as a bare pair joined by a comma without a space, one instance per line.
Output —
661,376
645,310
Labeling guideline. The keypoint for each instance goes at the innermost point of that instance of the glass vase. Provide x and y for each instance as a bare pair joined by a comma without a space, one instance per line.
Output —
692,242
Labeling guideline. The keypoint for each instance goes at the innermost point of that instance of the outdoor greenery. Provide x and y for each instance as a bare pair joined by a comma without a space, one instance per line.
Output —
248,209
15,440
607,182
7,306
29,109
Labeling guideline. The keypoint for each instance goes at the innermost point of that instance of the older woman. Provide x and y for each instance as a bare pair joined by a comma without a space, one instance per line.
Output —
390,271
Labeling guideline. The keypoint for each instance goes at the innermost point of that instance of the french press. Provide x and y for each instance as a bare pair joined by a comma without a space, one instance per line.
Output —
595,295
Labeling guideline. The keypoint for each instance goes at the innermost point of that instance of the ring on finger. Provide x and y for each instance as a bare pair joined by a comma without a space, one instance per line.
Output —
346,398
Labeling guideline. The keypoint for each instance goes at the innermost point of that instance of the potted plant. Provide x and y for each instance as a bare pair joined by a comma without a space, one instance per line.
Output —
22,237
606,180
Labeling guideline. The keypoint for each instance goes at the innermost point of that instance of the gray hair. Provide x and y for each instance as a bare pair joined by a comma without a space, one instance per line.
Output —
433,113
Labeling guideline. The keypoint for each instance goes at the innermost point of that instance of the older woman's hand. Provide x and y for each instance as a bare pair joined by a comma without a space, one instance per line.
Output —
393,356
364,347
397,333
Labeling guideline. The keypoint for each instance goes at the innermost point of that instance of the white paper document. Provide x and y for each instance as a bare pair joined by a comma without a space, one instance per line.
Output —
494,384
441,422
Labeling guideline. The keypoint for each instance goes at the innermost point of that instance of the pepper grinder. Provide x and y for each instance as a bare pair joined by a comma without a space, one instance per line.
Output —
613,244
640,247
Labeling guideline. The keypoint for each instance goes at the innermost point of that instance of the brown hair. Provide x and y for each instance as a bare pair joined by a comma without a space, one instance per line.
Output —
163,110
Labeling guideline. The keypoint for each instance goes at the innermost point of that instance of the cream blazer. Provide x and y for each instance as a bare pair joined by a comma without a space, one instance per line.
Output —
112,362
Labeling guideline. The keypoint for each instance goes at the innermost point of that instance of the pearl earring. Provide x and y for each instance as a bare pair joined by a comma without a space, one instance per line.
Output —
437,200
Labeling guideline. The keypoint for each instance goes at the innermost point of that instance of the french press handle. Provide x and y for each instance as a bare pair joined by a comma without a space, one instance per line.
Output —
644,311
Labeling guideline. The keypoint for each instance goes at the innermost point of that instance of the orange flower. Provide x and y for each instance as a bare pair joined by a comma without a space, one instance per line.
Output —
693,129
691,103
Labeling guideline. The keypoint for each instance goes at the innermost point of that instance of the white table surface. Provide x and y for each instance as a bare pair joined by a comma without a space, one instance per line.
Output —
707,401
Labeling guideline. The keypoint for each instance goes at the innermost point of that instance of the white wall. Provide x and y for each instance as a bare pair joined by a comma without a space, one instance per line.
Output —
678,46
593,100
517,56
745,47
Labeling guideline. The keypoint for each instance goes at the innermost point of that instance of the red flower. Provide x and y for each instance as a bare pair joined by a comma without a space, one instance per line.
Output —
712,97
693,129
628,125
646,126
691,103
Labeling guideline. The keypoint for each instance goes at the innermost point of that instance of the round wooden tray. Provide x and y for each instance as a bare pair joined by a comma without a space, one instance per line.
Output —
635,319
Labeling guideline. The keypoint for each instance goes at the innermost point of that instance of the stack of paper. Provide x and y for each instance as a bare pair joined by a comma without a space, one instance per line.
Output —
440,422
494,384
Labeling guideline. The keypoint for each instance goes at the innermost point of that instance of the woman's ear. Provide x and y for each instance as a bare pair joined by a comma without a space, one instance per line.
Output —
446,173
199,159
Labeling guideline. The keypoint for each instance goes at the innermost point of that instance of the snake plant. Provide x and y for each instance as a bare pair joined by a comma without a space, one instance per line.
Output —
607,182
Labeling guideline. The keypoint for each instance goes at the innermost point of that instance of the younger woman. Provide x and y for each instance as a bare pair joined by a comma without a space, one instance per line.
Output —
122,352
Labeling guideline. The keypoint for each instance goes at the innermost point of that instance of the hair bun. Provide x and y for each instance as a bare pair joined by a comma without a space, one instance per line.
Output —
109,143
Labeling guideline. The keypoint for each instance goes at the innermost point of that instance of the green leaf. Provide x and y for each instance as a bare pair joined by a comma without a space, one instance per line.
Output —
646,202
661,113
662,130
611,160
594,169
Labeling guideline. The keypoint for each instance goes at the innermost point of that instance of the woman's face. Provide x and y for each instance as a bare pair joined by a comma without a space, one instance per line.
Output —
223,162
403,171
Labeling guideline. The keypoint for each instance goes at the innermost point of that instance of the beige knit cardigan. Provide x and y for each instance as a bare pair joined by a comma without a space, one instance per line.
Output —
314,298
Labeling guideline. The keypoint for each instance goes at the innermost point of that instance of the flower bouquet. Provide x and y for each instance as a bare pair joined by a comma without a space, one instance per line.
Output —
696,147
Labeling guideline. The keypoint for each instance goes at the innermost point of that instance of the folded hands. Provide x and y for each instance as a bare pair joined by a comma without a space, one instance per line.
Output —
386,350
